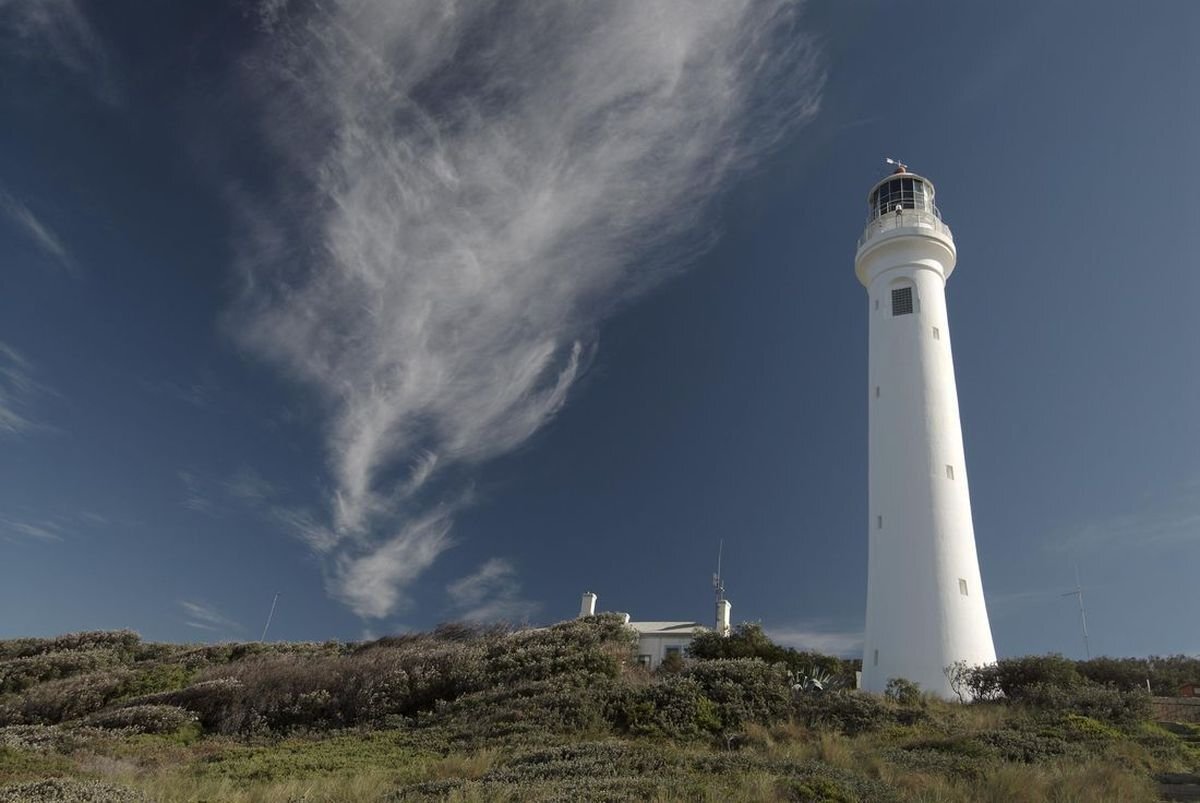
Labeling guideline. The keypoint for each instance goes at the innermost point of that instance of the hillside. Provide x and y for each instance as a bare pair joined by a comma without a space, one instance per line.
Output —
560,713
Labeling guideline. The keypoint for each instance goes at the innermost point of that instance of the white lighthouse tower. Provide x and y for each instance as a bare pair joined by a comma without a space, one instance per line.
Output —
925,606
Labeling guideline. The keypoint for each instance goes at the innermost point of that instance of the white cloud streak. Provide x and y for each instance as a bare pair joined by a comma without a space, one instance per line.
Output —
37,530
466,191
41,234
58,30
490,594
203,616
1166,517
17,388
372,581
813,636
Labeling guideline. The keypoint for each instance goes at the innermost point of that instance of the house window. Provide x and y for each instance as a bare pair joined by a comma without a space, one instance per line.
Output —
962,586
937,335
673,650
643,660
949,472
902,301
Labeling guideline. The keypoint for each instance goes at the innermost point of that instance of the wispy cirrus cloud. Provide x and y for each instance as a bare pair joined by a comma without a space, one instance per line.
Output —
204,616
492,593
17,391
475,187
1165,517
195,497
38,530
372,581
20,216
58,30
248,486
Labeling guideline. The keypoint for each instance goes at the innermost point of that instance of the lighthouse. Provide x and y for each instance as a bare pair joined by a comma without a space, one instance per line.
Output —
925,605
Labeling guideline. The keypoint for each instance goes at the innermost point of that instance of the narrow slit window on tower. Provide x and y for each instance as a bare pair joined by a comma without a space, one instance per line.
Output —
937,335
902,301
962,586
877,391
877,303
877,658
879,522
949,471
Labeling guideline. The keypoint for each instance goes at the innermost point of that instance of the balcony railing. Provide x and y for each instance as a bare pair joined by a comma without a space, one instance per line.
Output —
905,219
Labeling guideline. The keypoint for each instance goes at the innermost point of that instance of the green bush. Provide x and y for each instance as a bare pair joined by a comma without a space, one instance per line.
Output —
61,700
119,640
849,712
744,690
749,640
1100,703
903,691
675,706
18,674
144,718
62,790
1012,677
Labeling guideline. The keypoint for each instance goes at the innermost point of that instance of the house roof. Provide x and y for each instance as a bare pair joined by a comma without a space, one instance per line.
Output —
666,628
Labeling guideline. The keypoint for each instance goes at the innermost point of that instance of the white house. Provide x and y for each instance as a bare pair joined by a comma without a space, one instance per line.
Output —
657,640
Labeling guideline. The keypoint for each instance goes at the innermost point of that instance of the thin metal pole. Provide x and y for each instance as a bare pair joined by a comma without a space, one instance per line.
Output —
1082,614
269,616
1078,593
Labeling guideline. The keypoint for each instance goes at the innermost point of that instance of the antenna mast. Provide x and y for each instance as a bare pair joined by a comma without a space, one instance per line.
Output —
269,616
1078,592
718,586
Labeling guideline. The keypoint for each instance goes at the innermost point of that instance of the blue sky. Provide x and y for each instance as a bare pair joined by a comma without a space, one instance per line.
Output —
414,316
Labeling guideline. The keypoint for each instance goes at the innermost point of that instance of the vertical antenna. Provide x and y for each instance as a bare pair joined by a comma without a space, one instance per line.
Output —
269,616
1078,593
717,585
722,606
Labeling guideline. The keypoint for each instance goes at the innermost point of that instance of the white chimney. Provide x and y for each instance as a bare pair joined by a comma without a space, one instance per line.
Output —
588,606
723,608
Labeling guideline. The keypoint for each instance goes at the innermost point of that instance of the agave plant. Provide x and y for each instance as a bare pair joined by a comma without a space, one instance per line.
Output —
814,679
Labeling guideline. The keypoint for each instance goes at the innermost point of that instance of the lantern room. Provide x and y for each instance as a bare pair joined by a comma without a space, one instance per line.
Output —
899,191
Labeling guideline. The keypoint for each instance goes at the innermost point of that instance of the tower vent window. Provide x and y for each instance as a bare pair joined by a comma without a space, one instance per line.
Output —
902,301
937,335
879,522
877,658
949,472
962,586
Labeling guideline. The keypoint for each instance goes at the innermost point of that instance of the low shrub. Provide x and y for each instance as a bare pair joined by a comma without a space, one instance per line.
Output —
675,706
61,700
1101,703
1026,747
744,690
18,674
119,640
143,718
62,790
749,640
849,712
903,691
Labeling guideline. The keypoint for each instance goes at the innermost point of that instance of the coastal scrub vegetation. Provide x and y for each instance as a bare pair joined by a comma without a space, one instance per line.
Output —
565,713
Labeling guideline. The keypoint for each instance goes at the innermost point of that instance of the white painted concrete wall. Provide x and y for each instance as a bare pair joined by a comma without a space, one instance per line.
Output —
921,535
656,646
